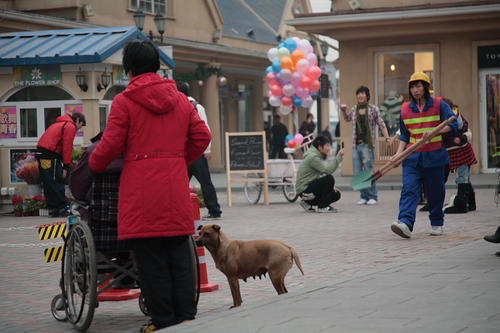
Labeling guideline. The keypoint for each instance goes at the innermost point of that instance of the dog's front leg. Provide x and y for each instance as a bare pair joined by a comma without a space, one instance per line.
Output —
234,284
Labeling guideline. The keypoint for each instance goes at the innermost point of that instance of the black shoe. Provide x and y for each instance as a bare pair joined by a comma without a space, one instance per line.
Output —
211,217
497,254
495,238
424,208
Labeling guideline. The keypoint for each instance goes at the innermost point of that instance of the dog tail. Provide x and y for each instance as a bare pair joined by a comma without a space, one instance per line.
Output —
296,258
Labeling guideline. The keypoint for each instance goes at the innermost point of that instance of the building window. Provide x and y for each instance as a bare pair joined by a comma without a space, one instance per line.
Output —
393,70
151,6
50,115
103,116
28,123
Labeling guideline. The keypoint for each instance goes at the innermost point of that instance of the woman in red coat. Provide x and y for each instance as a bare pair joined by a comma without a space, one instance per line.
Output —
159,133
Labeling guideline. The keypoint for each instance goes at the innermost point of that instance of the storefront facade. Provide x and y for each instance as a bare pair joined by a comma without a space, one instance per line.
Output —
45,74
456,43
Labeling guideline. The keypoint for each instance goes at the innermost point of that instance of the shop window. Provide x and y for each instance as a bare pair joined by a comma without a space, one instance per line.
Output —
152,6
51,115
28,123
44,93
392,72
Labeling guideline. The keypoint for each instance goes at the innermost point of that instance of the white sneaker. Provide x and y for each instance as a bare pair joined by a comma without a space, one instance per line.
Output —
307,207
436,231
401,229
372,202
327,209
362,201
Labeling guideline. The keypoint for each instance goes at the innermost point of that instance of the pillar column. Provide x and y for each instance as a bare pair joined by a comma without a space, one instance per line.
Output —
210,100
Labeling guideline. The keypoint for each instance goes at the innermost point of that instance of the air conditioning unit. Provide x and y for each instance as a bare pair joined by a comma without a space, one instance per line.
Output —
354,4
88,11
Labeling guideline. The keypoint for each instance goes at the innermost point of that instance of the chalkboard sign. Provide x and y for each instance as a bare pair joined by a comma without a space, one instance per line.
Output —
246,157
246,152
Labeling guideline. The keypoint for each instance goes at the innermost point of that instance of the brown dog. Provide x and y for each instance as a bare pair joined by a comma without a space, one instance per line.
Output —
240,260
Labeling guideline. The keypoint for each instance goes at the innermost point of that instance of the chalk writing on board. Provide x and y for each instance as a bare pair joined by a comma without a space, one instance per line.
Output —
246,152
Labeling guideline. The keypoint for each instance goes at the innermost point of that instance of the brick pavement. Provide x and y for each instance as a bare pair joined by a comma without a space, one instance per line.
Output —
331,246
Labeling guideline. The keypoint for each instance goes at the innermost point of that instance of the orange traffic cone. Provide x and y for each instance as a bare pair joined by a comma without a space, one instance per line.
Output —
202,259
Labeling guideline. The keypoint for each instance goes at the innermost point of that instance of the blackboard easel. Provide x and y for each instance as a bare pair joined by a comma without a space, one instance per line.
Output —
246,153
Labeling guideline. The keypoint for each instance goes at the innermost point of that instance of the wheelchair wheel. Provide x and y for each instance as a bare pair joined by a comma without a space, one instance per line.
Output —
80,276
289,191
253,190
142,305
58,308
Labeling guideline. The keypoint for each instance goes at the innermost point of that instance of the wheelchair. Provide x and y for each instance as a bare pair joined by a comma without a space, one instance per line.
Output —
87,273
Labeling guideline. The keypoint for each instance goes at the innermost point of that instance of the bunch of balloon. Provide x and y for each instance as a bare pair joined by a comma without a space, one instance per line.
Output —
294,141
293,75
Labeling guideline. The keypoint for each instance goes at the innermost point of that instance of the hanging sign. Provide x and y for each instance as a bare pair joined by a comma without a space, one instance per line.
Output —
46,75
120,78
70,108
8,123
488,56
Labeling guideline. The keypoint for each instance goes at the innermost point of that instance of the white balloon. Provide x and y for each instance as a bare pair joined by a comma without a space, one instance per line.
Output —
313,59
283,52
307,102
285,75
288,89
272,54
274,100
284,110
302,65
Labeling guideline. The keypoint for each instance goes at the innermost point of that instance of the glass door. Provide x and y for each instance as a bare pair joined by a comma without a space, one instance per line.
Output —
490,119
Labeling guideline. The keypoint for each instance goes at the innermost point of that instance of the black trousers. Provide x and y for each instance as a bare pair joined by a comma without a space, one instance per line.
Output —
277,149
167,277
51,175
323,191
199,169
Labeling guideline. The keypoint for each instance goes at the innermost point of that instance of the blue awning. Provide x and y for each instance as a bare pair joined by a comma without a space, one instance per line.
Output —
68,46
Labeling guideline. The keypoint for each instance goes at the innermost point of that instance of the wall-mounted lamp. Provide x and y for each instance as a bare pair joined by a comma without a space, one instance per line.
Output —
222,81
160,25
81,80
139,19
216,35
324,49
105,80
392,67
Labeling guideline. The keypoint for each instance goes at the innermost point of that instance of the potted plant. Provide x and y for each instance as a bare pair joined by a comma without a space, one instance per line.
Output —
17,202
41,205
27,170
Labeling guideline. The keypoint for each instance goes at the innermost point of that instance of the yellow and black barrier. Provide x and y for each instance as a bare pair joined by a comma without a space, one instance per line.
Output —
49,231
53,254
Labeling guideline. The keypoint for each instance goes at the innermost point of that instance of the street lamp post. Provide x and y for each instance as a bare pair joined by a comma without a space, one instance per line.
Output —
159,19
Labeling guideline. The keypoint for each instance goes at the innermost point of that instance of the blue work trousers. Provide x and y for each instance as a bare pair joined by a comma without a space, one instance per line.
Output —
410,194
363,158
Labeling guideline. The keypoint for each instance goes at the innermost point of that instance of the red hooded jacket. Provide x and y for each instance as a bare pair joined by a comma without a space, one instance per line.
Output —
59,137
160,133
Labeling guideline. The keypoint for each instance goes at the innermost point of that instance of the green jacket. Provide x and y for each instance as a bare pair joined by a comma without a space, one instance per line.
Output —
313,167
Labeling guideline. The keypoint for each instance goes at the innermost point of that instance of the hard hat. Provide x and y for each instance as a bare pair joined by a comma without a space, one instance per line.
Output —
419,76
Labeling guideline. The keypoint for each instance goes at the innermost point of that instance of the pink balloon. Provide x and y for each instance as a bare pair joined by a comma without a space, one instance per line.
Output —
313,72
270,77
286,101
313,59
288,90
305,82
276,90
315,85
302,65
299,138
274,100
285,75
307,102
296,78
302,92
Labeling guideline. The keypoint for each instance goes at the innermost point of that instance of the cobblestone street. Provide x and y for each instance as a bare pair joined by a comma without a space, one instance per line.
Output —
331,246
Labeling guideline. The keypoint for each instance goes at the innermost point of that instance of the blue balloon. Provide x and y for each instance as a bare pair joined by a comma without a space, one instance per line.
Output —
281,45
288,138
297,101
290,44
276,66
269,69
